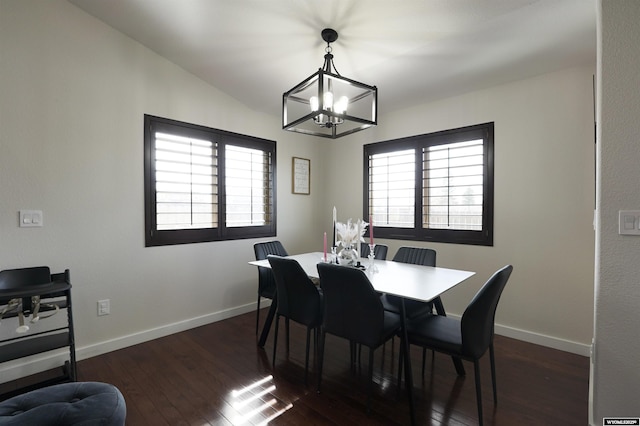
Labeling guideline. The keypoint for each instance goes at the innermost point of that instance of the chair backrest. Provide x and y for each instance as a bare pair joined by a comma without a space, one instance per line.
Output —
298,298
416,256
478,319
264,249
352,308
266,282
379,252
16,279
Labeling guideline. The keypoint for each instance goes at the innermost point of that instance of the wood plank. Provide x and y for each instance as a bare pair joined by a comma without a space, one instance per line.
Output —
188,378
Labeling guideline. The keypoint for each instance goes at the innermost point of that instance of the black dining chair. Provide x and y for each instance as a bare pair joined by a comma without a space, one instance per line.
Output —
299,300
467,338
353,311
413,308
379,251
415,256
266,282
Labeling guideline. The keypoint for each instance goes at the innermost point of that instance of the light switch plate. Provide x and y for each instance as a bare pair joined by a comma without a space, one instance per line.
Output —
629,222
30,218
104,307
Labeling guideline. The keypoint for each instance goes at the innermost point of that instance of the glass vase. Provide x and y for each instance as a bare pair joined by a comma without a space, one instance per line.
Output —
348,255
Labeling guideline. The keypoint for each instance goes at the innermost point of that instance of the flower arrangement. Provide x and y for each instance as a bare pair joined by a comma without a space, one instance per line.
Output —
349,234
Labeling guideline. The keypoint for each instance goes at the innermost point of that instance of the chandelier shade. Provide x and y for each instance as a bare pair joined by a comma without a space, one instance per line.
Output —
327,104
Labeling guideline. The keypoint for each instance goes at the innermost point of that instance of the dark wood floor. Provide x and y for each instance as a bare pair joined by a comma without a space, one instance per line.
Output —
204,377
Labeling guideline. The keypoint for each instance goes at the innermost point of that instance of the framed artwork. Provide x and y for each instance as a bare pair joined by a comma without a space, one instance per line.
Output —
300,175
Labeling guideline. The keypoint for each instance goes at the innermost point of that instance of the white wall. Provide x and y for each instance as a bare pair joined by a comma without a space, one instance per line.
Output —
73,93
615,383
72,97
544,200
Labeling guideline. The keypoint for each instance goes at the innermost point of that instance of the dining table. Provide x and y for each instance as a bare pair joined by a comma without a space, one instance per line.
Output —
408,281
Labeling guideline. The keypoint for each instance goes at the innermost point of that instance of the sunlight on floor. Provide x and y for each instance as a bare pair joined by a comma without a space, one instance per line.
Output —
256,404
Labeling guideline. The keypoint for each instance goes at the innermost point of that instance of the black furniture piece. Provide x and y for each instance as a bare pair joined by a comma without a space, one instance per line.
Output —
353,310
79,403
379,251
31,292
414,256
298,300
467,338
266,282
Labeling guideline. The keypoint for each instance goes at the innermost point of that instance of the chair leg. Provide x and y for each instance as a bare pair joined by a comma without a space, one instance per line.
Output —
424,360
493,373
457,362
316,338
384,346
258,315
286,322
370,381
352,350
275,340
400,365
476,368
320,358
306,361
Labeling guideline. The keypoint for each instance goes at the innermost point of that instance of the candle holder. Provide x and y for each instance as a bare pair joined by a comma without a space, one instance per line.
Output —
334,256
372,266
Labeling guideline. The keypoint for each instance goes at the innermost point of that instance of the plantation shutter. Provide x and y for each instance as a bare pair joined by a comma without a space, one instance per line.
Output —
185,182
453,176
392,188
247,186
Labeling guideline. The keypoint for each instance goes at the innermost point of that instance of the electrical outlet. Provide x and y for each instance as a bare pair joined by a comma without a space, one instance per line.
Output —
104,307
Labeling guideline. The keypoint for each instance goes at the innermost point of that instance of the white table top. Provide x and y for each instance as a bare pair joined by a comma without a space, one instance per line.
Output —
416,282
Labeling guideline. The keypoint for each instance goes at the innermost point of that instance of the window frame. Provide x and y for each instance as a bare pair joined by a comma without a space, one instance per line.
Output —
483,237
155,237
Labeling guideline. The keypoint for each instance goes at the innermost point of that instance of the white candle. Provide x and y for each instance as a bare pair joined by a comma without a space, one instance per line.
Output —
358,238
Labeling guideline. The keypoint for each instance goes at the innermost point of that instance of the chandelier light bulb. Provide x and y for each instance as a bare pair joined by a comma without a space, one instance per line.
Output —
313,102
327,98
341,105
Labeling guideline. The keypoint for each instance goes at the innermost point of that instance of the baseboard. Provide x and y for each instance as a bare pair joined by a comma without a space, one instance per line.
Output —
27,366
541,339
37,363
544,340
165,330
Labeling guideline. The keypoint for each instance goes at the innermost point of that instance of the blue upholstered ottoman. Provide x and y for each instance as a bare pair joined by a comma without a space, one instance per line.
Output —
76,403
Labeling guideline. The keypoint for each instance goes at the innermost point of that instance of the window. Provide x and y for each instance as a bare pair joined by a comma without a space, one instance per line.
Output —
435,187
204,184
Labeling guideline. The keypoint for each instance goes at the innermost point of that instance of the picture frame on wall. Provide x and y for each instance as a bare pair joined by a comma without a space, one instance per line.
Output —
300,175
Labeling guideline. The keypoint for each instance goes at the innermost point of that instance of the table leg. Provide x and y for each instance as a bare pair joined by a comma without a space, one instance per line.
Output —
408,373
267,322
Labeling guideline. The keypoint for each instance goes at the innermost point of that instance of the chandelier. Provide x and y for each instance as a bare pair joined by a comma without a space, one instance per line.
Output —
327,104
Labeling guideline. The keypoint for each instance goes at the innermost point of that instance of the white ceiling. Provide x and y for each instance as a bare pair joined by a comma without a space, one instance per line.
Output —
414,51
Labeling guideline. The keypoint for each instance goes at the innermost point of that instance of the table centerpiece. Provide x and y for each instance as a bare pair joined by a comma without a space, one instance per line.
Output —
349,236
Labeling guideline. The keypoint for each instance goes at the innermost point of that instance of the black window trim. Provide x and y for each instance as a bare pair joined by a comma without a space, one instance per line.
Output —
153,237
484,237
